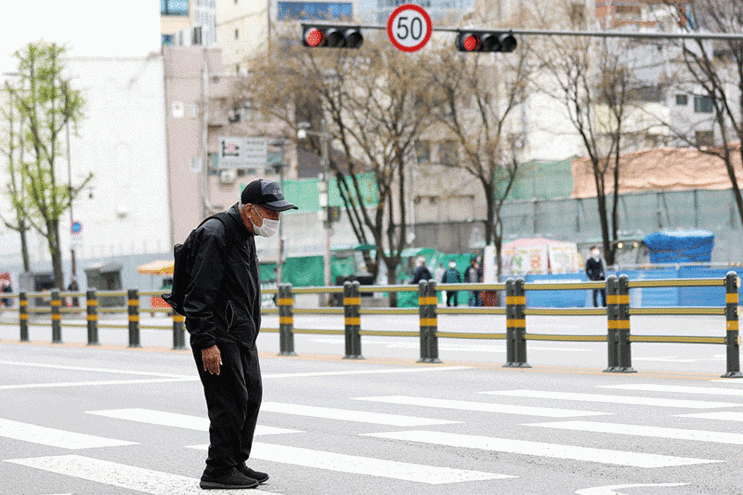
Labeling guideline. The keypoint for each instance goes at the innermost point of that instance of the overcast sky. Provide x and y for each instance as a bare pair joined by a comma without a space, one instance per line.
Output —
91,28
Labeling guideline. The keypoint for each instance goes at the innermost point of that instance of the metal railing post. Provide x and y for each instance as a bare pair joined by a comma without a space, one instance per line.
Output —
732,337
56,302
612,315
133,312
286,320
510,316
179,334
423,320
23,315
91,313
351,304
625,351
433,323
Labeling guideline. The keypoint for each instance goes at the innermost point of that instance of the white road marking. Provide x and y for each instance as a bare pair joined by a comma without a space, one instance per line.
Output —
177,420
120,475
556,451
94,383
348,415
464,405
55,438
448,347
366,372
433,475
678,389
720,415
612,399
94,370
612,490
646,431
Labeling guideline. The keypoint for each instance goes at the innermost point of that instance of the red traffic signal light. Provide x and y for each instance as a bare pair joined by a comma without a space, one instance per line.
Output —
331,36
485,41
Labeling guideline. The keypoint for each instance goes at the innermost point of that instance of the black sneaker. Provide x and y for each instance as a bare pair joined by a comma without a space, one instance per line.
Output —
230,481
256,475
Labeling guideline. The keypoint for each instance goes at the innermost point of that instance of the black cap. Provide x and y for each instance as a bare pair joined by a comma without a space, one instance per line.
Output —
266,193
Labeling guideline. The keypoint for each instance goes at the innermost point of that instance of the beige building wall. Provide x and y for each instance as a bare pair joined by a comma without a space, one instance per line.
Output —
242,28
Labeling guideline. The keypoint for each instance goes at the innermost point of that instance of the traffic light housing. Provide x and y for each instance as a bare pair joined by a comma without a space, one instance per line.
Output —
331,36
485,41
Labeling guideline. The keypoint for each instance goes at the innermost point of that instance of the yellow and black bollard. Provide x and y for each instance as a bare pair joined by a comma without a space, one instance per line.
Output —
516,324
351,310
56,303
732,337
423,319
612,315
133,312
91,302
23,315
429,302
623,326
285,301
179,333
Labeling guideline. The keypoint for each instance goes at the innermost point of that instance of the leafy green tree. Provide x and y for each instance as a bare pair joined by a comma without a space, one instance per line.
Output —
47,104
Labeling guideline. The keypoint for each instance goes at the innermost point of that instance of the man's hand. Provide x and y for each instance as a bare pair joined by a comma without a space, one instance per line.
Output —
212,359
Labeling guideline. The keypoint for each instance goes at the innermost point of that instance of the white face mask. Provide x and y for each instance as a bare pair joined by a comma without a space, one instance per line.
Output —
269,227
595,253
452,265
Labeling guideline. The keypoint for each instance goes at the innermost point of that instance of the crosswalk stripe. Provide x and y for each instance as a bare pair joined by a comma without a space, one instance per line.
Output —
55,438
348,415
464,405
678,389
646,431
612,399
175,419
719,415
523,447
95,383
119,475
433,475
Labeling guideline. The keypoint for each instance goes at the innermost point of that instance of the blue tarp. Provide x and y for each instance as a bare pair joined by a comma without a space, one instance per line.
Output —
680,246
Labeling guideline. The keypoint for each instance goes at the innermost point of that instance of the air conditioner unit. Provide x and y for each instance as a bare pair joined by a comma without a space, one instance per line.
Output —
227,176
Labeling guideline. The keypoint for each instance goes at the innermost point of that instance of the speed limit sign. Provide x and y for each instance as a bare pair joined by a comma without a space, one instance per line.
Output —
409,27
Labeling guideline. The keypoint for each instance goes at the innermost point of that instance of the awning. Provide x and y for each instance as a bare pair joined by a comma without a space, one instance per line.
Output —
157,267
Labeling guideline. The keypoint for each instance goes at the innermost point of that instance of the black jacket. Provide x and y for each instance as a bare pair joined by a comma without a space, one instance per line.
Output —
595,269
222,303
421,273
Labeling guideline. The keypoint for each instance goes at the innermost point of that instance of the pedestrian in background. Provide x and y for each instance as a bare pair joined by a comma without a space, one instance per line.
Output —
473,275
73,287
422,272
451,276
7,288
222,306
595,271
438,274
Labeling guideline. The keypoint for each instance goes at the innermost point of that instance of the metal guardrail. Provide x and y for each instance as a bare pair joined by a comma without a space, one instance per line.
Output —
618,312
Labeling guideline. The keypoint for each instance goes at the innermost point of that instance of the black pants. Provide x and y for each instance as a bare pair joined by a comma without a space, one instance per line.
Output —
451,298
233,399
603,297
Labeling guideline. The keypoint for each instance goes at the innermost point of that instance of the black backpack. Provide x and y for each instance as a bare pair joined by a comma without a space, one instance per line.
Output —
182,266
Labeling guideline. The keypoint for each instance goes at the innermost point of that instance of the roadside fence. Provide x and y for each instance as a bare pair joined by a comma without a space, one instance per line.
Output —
618,337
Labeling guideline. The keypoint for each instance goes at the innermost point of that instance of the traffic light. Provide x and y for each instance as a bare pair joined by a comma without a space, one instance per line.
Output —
485,41
331,36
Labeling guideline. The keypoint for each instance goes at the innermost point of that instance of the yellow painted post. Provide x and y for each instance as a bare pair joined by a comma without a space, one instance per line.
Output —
612,313
433,323
355,319
516,324
23,315
286,320
179,334
625,351
56,303
91,303
133,313
732,337
423,318
510,316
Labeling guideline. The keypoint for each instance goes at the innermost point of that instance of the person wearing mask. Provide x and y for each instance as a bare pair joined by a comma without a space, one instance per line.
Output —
595,271
473,275
422,272
451,276
222,306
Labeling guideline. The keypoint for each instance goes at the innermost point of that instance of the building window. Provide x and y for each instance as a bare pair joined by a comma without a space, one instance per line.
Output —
332,11
704,139
237,34
167,39
703,104
174,7
423,151
682,100
448,152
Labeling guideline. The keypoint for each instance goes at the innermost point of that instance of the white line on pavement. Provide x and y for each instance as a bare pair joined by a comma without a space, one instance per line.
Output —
348,415
463,405
95,370
365,372
612,399
646,431
433,475
53,437
678,389
556,451
93,383
120,475
177,420
719,415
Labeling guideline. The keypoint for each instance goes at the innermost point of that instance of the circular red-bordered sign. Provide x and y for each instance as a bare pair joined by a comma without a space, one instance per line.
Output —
409,27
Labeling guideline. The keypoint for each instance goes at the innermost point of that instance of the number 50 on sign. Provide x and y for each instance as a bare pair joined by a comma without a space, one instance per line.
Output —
409,27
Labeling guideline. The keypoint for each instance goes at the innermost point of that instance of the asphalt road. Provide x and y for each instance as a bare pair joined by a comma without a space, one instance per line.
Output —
92,420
